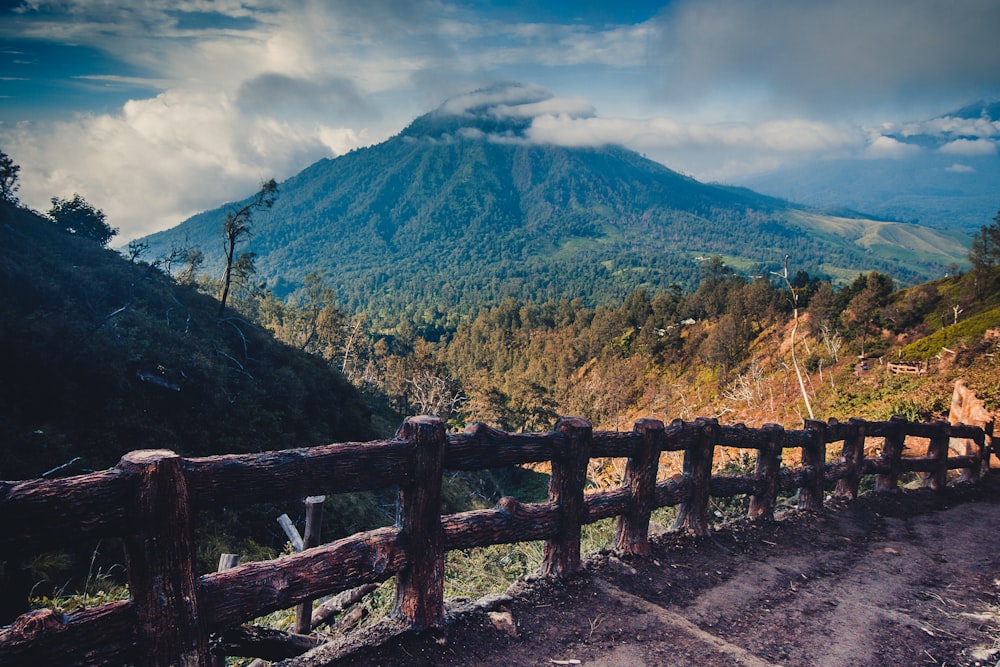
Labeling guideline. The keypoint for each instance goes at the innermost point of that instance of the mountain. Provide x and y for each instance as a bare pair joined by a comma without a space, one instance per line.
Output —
100,356
463,208
943,172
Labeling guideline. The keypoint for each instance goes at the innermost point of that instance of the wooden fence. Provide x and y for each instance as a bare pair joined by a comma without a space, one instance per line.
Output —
149,498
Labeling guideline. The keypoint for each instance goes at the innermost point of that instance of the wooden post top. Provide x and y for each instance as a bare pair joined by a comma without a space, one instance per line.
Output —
567,423
146,456
424,419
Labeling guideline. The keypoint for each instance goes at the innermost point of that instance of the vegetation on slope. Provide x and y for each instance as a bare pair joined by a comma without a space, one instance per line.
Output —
461,212
102,356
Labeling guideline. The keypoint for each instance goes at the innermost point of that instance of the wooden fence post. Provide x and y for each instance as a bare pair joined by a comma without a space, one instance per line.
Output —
937,479
314,521
632,529
814,456
693,514
892,451
226,562
768,464
569,475
853,454
160,563
984,447
420,585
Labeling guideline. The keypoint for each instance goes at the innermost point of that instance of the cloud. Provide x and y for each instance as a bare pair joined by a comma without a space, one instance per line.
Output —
960,169
826,57
499,95
969,147
164,158
287,96
572,107
883,147
783,136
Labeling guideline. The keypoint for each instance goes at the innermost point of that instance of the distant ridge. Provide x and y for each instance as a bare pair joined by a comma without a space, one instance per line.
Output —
462,208
948,176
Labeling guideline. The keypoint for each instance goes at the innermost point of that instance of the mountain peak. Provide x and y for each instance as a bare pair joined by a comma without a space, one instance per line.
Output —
502,111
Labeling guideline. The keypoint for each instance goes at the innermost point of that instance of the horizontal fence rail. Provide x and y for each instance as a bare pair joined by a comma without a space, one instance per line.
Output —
149,497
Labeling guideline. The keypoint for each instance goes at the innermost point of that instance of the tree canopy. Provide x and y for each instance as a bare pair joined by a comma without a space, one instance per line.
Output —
76,216
8,178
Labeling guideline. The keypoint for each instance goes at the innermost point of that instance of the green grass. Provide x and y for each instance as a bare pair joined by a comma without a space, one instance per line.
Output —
966,332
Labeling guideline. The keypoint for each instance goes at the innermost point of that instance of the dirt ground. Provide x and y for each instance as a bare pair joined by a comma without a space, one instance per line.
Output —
910,578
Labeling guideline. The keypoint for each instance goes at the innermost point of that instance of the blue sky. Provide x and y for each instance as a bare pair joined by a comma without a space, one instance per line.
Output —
157,110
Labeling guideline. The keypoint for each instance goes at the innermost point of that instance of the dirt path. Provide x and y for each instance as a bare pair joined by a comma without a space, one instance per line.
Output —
905,579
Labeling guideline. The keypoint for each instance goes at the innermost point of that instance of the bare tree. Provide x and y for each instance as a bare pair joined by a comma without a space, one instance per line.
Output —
434,394
749,387
236,226
795,325
832,341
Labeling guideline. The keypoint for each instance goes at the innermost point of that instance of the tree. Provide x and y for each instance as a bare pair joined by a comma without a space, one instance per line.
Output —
8,179
795,325
864,313
236,226
136,249
984,253
76,216
821,308
981,256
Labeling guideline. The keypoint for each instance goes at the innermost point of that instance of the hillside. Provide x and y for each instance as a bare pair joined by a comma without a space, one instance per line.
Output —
463,209
100,356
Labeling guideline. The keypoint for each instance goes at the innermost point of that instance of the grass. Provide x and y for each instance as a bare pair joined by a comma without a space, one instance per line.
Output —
965,332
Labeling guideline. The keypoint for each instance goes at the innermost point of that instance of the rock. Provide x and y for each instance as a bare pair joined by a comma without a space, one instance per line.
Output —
504,622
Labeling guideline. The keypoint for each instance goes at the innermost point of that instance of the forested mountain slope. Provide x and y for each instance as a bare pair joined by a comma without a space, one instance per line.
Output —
100,356
463,209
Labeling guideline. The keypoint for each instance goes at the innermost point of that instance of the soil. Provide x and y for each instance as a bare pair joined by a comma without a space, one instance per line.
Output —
908,578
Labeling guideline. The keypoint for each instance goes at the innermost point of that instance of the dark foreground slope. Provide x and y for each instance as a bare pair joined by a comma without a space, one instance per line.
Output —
99,356
891,579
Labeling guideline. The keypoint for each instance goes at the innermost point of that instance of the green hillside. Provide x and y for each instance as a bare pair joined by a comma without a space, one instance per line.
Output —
458,211
100,356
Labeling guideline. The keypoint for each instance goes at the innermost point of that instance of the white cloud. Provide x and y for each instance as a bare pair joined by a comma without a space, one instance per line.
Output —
958,168
573,107
883,147
504,95
162,159
951,126
969,147
782,136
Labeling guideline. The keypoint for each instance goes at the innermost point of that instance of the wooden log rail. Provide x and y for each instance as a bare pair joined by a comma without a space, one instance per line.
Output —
150,496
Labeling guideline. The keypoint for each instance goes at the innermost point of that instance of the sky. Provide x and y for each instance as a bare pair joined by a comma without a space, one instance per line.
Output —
159,109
